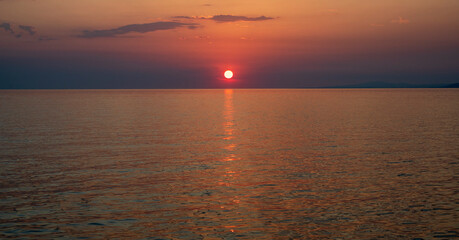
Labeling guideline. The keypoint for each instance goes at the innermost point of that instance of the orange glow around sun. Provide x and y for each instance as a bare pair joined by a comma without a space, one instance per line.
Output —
228,74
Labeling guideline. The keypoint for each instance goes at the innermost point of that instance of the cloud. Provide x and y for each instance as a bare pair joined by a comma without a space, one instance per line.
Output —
185,17
19,31
28,29
231,18
228,18
7,27
139,28
401,20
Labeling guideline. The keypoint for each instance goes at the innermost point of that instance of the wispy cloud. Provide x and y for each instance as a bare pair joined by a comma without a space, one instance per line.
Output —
138,28
228,18
17,31
231,18
187,17
7,27
28,29
401,20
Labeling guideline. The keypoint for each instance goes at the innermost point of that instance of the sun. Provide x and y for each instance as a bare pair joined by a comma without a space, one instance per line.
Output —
228,74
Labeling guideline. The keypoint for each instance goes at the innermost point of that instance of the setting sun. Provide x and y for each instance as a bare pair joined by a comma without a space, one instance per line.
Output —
228,74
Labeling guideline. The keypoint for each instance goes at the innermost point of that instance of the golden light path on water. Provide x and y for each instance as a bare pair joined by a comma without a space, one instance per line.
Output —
229,148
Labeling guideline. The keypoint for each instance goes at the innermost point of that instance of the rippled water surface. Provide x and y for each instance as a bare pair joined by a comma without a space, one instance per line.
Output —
230,164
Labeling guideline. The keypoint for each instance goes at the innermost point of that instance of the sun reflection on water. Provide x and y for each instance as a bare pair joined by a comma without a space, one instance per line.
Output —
228,114
230,173
228,125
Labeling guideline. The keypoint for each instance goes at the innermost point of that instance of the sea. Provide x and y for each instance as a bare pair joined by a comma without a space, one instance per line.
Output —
229,164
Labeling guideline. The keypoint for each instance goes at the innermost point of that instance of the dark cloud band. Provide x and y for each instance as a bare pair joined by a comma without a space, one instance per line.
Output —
28,29
7,27
229,18
138,28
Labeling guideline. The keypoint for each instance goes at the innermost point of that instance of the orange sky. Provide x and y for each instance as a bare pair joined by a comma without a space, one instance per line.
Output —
305,39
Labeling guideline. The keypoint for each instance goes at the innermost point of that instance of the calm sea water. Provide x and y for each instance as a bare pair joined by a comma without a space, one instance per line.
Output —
230,164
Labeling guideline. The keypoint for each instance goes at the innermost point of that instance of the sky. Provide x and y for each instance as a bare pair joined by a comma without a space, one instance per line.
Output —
51,44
